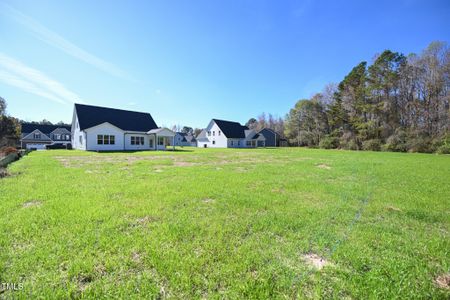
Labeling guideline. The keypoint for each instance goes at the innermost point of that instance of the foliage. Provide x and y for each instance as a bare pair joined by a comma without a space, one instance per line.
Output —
9,127
371,145
8,150
329,142
397,142
398,102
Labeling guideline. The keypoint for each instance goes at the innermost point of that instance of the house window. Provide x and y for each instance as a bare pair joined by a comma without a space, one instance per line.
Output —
151,143
232,143
57,136
239,143
249,143
67,137
214,142
81,140
160,141
214,133
105,139
209,133
219,132
137,140
37,136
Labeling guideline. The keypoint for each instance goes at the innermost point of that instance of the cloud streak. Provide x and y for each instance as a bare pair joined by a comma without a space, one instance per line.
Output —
52,38
17,74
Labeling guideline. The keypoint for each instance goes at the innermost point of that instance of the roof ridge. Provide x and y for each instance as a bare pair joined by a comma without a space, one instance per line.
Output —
104,107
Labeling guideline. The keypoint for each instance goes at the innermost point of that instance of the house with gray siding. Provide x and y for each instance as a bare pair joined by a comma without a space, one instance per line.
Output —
273,138
38,136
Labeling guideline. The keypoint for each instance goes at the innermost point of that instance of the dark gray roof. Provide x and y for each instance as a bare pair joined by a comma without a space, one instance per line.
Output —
231,129
89,116
46,129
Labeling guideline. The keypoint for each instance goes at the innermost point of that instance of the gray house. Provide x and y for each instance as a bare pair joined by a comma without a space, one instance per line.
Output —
38,136
185,139
273,138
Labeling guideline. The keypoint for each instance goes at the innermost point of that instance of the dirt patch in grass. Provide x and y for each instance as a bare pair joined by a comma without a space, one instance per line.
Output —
146,220
315,261
136,257
324,166
3,173
183,164
443,281
393,208
208,200
32,203
83,281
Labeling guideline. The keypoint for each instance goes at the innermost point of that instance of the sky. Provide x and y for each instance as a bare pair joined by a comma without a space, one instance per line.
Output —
186,62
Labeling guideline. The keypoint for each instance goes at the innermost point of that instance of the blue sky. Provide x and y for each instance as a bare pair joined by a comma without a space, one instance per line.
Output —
186,62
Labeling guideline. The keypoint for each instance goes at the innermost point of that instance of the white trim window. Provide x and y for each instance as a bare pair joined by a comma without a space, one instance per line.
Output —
160,141
104,139
37,136
137,140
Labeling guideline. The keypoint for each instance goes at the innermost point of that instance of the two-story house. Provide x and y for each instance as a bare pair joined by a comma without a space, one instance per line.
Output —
38,136
228,134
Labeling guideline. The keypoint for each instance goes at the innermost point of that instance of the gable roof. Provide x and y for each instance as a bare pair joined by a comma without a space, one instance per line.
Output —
30,136
268,130
90,116
231,129
45,129
201,137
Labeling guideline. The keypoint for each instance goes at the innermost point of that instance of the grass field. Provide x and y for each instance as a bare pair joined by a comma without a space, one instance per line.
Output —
206,223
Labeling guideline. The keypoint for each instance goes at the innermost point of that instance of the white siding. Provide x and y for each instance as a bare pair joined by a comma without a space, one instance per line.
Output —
146,145
215,140
78,136
104,129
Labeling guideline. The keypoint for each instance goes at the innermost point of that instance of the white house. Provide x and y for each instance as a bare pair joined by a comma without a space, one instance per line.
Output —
108,129
227,134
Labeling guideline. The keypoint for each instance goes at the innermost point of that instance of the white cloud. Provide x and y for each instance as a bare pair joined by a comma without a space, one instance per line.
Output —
17,74
52,38
15,81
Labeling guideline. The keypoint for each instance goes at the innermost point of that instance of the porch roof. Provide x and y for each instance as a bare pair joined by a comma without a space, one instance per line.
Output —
162,132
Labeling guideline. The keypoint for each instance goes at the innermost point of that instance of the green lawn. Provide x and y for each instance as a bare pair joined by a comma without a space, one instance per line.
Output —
206,223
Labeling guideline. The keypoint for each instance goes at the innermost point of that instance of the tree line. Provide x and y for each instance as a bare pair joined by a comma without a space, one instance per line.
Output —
398,103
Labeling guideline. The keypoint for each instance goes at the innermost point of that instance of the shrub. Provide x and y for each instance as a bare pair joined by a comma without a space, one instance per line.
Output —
372,145
348,141
419,144
8,150
441,145
397,141
329,142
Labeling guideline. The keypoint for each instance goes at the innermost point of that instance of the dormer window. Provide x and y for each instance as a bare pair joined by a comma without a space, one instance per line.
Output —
214,133
218,132
37,136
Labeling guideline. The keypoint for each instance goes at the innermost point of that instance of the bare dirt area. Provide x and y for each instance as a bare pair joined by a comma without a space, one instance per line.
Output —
443,281
315,261
32,203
